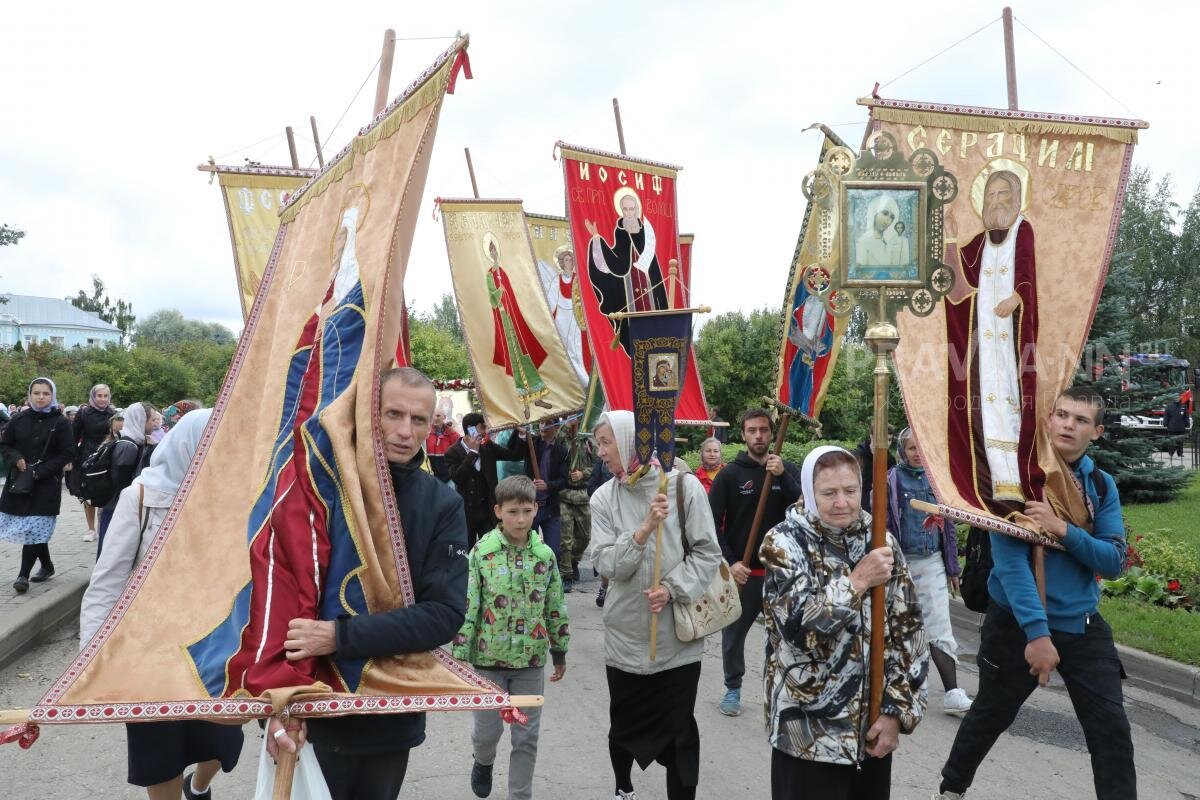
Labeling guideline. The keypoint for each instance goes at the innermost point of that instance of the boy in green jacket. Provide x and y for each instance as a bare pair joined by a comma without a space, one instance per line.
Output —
515,614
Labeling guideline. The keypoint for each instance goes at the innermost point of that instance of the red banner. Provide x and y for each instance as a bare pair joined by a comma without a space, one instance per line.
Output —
622,214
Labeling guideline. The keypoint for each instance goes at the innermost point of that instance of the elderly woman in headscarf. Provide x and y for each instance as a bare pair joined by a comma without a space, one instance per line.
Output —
159,752
651,703
930,547
127,458
90,429
36,444
819,574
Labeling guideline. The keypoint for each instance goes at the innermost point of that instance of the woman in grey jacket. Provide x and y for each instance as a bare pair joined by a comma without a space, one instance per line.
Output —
651,703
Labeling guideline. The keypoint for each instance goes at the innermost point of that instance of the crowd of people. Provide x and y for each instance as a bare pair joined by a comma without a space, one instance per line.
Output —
492,558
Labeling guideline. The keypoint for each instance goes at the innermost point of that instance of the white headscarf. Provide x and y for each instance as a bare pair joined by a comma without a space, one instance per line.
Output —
347,274
806,473
135,424
883,203
622,426
171,458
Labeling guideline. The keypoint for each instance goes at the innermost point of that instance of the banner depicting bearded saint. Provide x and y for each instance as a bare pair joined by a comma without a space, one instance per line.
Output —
522,371
1029,237
623,225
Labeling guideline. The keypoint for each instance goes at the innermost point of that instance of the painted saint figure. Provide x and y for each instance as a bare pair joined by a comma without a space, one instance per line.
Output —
626,275
810,332
992,327
517,350
566,308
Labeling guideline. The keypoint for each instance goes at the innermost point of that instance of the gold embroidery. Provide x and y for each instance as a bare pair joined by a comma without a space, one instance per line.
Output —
1007,491
991,397
1001,444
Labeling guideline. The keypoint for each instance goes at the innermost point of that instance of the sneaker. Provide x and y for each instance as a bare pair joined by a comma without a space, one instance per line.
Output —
191,795
601,594
630,795
956,703
21,585
481,779
568,587
42,575
731,703
89,536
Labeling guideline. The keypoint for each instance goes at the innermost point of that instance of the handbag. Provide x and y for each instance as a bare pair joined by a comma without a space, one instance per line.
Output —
721,603
23,483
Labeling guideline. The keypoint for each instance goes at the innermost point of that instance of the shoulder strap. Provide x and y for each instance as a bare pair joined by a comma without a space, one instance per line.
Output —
682,515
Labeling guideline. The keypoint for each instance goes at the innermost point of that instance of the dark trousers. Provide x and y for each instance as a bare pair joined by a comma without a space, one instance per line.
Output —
549,525
800,779
362,777
733,637
1090,668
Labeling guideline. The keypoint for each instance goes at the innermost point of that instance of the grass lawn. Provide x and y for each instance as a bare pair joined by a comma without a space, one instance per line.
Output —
1181,517
1158,630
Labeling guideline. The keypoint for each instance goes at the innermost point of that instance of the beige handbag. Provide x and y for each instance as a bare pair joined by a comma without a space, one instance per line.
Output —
721,603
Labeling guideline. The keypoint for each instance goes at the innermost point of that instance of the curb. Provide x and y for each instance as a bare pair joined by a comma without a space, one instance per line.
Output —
1145,670
40,616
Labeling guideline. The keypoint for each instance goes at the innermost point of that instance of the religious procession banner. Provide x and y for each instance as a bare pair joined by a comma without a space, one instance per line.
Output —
313,531
624,230
253,196
811,335
551,240
661,343
1028,236
522,372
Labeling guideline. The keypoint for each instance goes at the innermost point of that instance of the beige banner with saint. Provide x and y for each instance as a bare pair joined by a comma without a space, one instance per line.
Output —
522,372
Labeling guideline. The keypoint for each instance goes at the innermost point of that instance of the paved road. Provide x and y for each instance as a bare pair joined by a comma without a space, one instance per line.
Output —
1042,757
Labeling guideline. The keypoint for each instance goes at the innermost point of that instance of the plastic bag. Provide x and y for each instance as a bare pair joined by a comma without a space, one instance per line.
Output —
308,784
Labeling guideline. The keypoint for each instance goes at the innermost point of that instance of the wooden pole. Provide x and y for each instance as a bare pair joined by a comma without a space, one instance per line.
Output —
620,128
768,482
471,172
285,770
658,544
533,459
317,142
291,137
383,82
1010,59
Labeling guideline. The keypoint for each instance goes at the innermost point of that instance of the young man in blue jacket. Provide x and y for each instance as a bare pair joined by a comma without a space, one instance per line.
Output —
1022,641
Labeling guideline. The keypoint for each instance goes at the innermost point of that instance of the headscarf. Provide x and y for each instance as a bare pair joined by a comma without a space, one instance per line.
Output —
807,470
902,458
53,396
174,412
92,397
71,410
622,426
135,424
174,454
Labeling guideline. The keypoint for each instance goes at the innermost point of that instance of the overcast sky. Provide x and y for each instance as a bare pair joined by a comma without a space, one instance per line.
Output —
107,109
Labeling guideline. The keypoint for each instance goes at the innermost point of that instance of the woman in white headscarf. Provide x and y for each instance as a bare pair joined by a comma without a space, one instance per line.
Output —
651,703
816,595
159,752
141,419
879,245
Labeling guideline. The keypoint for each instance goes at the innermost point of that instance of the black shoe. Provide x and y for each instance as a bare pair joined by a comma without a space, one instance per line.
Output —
21,585
481,779
42,575
600,595
568,587
189,794
575,571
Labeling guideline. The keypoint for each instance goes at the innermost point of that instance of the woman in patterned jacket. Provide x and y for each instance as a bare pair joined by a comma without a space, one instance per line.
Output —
816,596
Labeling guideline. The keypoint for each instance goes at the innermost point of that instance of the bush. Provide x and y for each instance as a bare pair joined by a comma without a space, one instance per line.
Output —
1163,556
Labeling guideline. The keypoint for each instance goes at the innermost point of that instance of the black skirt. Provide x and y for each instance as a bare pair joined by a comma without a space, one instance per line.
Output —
160,751
650,713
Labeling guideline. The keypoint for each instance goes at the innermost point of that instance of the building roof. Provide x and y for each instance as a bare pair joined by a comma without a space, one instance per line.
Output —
53,312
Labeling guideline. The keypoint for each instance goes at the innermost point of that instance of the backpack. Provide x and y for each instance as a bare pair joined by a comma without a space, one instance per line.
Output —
973,583
96,482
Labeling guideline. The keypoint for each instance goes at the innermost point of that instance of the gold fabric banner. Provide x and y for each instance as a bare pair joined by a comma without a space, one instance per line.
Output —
522,372
297,421
980,374
252,203
555,256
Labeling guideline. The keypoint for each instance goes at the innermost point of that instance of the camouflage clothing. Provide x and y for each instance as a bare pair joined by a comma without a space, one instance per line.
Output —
515,606
573,504
818,640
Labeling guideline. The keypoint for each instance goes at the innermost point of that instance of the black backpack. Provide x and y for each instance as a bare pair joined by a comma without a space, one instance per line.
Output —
973,583
96,483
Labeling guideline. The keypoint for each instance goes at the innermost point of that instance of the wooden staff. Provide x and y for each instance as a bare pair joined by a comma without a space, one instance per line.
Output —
785,415
471,172
317,142
285,768
384,79
658,543
533,459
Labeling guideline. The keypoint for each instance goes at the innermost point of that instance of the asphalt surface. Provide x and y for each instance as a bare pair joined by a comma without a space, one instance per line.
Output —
1042,756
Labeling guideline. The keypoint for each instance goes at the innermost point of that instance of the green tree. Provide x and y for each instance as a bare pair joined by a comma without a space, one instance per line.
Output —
8,236
435,351
736,354
169,328
445,317
119,313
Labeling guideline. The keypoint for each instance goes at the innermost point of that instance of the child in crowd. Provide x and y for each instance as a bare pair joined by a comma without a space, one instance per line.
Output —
515,614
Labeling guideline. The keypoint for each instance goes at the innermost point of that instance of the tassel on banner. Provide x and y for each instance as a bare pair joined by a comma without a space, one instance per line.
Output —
513,715
462,62
24,735
437,206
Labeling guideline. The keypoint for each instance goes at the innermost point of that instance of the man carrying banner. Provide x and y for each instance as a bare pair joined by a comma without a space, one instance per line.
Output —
1022,640
366,757
734,499
573,503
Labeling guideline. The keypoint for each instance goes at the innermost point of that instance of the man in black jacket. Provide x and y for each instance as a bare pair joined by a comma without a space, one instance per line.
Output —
471,462
551,457
365,757
734,499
